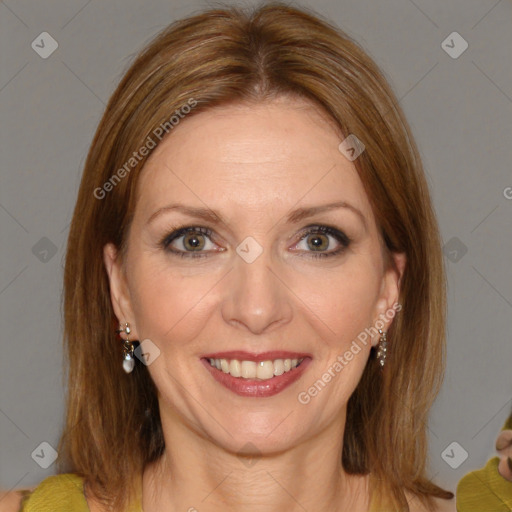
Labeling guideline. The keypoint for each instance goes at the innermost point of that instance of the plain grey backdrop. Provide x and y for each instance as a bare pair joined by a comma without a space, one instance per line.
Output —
458,101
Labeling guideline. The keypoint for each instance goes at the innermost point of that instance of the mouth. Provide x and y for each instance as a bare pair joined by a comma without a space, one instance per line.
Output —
256,375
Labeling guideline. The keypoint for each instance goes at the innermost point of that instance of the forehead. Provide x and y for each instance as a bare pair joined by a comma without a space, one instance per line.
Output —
252,156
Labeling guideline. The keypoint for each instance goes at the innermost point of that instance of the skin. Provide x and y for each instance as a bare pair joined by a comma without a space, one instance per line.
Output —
10,501
504,448
253,165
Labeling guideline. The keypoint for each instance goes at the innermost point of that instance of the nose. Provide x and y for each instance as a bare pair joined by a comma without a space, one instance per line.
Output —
256,299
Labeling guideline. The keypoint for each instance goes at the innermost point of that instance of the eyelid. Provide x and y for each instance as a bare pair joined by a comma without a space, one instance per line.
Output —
326,229
179,231
343,240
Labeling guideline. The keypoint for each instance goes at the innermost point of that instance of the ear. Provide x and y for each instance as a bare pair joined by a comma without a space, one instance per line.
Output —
387,304
119,291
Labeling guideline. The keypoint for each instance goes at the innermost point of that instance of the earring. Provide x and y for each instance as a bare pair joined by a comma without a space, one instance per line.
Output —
128,360
382,348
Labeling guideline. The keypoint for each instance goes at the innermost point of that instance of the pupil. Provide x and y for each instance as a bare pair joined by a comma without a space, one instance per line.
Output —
317,241
193,242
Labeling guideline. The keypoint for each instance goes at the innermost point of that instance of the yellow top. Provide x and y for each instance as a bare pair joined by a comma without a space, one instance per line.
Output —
485,489
65,493
62,493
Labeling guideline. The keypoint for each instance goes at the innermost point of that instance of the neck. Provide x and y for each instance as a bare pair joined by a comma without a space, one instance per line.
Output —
196,474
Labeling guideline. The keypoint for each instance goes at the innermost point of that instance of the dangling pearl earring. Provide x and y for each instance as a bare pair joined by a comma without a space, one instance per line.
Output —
128,360
382,348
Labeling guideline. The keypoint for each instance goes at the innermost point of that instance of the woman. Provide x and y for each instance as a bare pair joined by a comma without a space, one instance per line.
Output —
254,287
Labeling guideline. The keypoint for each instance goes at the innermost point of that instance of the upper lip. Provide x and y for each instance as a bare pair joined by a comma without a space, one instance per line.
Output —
242,355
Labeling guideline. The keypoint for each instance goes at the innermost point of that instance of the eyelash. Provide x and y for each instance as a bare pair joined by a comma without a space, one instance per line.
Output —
178,232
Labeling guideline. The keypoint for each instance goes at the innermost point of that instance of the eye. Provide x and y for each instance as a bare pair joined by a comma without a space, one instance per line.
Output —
317,240
195,242
190,241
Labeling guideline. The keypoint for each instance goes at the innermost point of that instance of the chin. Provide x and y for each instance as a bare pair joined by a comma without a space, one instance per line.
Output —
258,433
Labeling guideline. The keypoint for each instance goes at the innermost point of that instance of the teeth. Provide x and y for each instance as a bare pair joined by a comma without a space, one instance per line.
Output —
248,369
235,368
224,365
278,367
262,370
265,370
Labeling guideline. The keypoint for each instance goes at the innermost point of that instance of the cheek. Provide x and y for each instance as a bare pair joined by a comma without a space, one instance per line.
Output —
167,304
343,298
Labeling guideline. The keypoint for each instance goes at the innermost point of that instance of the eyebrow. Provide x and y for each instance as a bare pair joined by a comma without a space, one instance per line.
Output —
292,218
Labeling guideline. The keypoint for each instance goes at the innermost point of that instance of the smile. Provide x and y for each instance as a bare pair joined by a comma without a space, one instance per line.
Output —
262,370
260,375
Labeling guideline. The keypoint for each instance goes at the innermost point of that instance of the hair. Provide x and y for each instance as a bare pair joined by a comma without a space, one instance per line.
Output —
225,56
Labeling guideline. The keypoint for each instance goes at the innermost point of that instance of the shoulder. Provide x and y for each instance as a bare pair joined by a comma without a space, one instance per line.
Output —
57,493
484,487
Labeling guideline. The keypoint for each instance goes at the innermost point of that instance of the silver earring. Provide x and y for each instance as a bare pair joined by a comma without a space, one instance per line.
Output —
382,348
128,360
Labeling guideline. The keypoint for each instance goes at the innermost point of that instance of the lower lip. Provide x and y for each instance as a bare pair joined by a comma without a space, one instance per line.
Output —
255,387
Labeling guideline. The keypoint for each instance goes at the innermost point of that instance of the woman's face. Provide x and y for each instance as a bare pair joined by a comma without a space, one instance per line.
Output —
282,261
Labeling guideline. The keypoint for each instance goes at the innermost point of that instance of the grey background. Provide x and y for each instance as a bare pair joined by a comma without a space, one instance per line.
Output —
459,110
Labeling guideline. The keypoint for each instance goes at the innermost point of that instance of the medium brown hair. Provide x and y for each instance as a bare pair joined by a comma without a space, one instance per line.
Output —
223,56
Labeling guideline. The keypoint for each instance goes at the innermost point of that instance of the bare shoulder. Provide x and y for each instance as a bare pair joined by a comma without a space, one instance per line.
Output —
441,505
10,501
